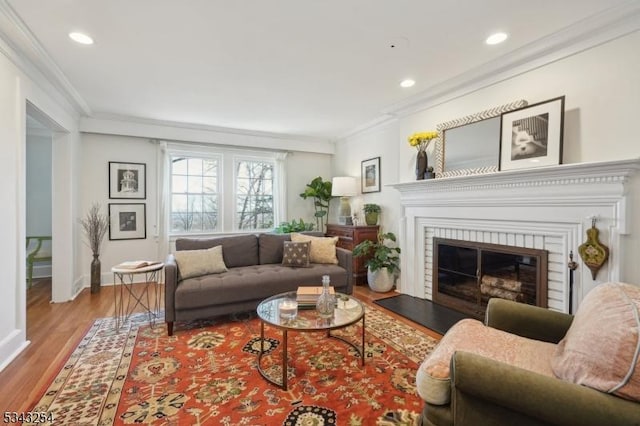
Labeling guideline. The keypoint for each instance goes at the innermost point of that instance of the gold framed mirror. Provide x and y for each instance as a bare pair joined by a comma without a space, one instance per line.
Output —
471,145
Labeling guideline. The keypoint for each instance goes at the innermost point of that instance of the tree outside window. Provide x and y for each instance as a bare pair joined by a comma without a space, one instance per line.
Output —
254,194
194,195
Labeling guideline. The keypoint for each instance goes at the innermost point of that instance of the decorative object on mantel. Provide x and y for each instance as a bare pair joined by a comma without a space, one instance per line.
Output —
95,226
594,254
472,142
572,267
422,140
532,136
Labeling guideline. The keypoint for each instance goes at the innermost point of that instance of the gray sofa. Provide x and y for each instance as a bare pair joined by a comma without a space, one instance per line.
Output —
254,273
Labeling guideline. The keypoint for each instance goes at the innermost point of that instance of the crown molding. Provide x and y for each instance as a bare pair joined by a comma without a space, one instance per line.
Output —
583,35
34,60
111,124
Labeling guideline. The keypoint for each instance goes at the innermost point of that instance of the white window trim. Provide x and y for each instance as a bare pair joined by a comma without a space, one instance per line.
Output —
227,157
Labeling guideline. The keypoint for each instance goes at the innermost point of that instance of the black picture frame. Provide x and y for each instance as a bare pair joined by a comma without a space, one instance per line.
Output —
127,181
370,175
127,221
532,136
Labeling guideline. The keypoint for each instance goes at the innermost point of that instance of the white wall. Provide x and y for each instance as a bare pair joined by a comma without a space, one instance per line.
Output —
96,152
16,88
602,92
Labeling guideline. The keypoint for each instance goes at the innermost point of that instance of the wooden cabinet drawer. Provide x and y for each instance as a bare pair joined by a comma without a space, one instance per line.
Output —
341,232
350,236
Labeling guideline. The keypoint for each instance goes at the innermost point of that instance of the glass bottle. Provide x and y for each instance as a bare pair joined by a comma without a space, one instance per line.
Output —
326,302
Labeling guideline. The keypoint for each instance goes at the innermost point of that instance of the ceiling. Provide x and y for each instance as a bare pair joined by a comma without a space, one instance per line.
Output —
295,67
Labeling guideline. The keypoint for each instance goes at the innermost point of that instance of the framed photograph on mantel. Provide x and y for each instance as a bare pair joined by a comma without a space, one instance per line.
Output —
127,180
127,221
370,177
532,136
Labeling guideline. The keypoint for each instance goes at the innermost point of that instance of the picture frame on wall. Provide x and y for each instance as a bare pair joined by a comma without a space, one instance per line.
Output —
127,221
532,136
370,175
127,180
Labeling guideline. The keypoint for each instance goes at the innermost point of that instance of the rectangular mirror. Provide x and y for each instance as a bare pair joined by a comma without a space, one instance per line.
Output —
471,144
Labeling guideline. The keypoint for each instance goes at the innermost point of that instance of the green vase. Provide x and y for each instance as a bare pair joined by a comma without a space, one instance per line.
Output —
371,218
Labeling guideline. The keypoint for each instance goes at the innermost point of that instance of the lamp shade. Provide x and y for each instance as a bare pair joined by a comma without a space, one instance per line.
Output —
344,186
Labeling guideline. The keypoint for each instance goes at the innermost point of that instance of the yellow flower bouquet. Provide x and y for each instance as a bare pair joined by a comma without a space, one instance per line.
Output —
421,140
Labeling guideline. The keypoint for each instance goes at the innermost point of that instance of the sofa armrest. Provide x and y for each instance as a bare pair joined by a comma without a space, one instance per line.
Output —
345,259
528,321
487,389
170,285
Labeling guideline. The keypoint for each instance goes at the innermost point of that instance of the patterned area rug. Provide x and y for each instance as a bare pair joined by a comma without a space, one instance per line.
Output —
206,375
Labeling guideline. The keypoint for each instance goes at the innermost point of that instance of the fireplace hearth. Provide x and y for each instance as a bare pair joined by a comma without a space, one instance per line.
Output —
467,274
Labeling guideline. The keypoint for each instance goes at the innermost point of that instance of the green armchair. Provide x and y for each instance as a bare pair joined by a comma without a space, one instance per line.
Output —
487,392
36,252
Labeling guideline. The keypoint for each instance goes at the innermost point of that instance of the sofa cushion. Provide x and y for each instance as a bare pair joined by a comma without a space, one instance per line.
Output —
248,283
433,380
601,350
271,247
194,263
296,254
323,249
237,250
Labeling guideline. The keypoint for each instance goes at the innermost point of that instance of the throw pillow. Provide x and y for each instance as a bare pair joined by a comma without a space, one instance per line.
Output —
323,249
296,254
195,263
601,350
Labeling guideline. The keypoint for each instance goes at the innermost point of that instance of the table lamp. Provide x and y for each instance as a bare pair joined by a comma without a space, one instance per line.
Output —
344,187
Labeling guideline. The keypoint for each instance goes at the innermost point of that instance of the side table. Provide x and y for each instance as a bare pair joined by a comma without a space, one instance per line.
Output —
123,278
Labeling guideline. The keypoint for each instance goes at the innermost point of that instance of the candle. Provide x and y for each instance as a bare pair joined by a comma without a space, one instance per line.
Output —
288,308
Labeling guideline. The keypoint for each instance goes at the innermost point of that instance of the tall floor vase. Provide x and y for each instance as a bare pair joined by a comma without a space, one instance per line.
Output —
421,165
95,274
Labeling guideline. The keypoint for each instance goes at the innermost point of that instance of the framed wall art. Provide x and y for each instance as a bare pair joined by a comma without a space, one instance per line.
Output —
531,136
370,177
127,221
127,180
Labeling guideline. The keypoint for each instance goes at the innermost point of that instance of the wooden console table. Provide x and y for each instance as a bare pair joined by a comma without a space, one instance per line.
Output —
349,237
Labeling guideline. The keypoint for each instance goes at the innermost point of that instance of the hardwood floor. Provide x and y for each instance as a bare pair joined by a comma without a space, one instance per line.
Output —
55,329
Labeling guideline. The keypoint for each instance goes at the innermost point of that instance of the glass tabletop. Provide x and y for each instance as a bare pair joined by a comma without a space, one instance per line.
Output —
349,310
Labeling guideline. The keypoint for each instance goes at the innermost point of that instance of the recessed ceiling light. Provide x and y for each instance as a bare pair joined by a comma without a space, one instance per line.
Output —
81,38
496,38
407,83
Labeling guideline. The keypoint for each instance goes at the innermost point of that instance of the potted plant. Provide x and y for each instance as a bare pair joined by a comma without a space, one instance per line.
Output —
95,226
293,226
383,261
320,191
371,213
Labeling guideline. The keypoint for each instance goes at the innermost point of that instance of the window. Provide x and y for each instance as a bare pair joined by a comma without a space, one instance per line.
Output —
194,195
254,194
217,189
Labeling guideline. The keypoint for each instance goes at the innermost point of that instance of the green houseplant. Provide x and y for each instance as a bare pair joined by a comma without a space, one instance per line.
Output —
320,191
383,261
371,212
293,226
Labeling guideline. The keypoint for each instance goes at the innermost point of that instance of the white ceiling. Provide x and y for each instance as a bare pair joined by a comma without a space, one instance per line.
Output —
319,68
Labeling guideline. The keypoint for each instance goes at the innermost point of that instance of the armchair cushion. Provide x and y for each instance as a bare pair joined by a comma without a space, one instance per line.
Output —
602,347
433,378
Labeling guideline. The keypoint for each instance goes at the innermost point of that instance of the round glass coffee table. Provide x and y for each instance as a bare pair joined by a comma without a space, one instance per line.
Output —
349,311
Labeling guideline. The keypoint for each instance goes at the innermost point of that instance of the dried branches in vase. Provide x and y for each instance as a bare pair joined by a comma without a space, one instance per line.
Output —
95,226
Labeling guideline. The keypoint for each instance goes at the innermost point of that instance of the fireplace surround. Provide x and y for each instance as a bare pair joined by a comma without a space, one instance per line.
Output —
547,208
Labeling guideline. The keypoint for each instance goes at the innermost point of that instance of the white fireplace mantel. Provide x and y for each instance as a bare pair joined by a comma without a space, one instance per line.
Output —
548,208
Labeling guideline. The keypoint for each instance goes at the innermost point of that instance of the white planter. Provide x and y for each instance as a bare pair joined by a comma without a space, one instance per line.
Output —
380,280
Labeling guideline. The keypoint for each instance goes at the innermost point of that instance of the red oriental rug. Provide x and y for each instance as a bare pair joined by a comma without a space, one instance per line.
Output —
206,375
